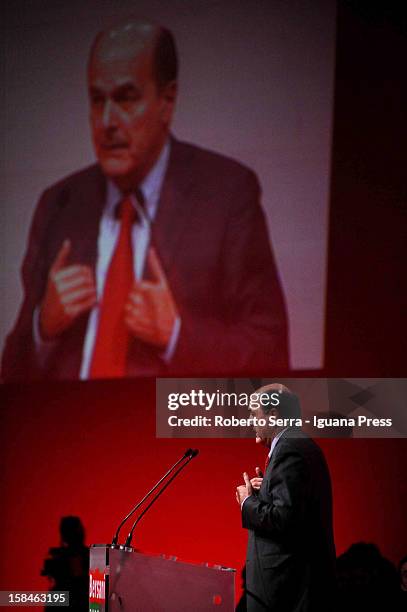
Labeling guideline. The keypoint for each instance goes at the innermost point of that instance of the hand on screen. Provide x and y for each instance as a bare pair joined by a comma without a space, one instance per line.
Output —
71,291
257,480
151,311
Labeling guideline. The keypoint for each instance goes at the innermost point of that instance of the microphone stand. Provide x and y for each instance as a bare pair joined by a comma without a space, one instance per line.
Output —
187,454
188,458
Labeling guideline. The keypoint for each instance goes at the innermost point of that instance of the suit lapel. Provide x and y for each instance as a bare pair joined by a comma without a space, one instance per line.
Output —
175,204
291,433
83,226
285,434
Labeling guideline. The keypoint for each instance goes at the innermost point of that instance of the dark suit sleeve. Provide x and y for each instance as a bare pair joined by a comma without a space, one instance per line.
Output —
19,358
250,333
280,509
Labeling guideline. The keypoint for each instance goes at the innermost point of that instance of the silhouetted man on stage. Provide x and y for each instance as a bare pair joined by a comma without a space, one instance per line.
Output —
68,565
290,563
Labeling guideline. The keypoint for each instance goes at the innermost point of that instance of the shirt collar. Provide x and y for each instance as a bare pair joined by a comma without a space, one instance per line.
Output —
275,440
150,187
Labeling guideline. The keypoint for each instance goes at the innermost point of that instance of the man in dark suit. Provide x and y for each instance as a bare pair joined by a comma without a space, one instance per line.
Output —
204,294
290,565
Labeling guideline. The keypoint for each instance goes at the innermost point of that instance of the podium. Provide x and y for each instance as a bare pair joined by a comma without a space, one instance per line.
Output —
129,581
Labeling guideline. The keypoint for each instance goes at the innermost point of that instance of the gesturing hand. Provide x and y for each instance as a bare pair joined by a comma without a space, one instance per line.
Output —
245,490
151,311
257,480
71,290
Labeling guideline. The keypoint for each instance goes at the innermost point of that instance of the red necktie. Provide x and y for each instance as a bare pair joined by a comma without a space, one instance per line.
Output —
112,339
267,462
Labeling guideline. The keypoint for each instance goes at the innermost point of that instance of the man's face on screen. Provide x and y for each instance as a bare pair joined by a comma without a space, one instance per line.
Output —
129,117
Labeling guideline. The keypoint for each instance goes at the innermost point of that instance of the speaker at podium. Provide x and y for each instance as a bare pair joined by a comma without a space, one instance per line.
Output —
124,579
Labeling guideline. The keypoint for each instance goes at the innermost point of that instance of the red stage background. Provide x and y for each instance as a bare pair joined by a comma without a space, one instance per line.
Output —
89,449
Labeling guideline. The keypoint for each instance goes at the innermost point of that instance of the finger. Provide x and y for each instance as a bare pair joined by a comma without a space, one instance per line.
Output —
259,472
141,285
77,280
77,309
139,326
145,294
143,332
71,298
247,480
62,256
138,320
70,271
140,307
139,314
146,288
256,483
136,299
156,267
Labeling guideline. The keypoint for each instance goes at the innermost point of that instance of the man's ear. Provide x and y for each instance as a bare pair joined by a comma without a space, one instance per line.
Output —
168,96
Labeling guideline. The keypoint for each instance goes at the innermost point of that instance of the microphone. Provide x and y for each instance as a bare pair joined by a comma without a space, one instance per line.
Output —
186,455
189,455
